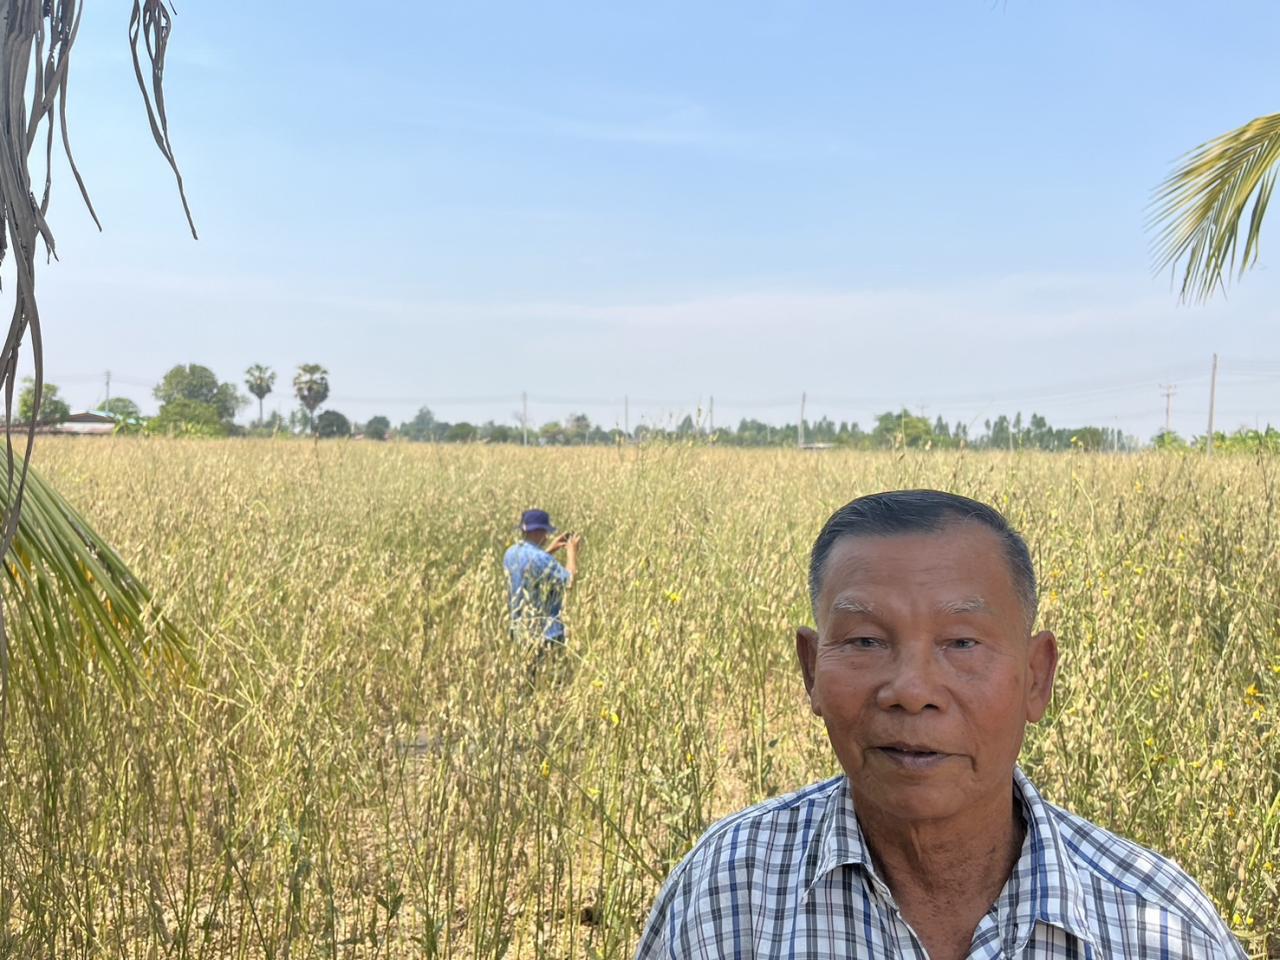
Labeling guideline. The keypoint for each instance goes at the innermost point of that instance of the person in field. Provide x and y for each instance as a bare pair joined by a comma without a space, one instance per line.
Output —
925,667
538,581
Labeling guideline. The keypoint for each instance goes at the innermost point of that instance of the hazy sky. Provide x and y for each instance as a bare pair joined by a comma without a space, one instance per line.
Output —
937,205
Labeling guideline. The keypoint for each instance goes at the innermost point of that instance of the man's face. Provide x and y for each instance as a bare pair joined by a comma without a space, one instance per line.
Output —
923,669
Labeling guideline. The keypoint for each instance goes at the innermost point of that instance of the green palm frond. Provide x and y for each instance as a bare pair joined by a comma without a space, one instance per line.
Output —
1197,211
73,603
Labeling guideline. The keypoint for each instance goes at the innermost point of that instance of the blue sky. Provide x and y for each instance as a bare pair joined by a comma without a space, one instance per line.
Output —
934,205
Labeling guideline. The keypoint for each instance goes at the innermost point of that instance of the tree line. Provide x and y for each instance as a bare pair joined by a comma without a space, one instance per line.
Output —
193,402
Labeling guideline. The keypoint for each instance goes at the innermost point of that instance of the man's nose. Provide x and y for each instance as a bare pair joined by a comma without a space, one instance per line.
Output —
914,682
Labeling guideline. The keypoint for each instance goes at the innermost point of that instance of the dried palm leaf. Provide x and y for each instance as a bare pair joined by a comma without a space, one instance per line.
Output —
35,49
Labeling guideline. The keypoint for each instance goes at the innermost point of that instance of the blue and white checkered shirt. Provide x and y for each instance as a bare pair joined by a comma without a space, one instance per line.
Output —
792,877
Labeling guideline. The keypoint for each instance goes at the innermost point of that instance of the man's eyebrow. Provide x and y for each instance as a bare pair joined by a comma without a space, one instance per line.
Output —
965,605
853,605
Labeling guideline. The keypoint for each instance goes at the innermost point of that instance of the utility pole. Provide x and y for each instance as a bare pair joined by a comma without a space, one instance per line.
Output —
108,400
711,415
524,416
626,416
1213,389
1169,391
801,434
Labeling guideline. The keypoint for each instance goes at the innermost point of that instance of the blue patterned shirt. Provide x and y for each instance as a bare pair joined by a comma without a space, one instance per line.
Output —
792,877
537,582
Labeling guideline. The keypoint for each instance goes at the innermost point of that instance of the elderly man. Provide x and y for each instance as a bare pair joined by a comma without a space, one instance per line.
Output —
933,844
536,580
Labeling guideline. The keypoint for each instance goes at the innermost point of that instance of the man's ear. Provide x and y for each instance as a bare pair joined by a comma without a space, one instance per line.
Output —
807,654
1042,666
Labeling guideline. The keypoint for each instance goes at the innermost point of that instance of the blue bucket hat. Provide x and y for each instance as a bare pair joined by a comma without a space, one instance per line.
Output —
536,520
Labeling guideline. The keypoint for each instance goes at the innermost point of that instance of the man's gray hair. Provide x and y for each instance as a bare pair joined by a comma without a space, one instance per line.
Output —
922,511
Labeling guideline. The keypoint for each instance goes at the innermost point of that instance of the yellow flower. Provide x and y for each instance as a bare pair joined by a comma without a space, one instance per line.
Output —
546,769
674,597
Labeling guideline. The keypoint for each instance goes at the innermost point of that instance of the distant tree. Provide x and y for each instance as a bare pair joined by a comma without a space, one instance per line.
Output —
461,433
751,433
332,424
577,429
377,428
551,433
53,409
902,429
271,426
181,417
499,433
122,408
1041,434
1168,440
311,384
421,428
259,380
1246,440
199,384
999,433
1091,438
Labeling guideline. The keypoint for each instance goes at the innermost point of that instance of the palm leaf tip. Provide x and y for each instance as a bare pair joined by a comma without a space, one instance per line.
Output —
1196,212
74,601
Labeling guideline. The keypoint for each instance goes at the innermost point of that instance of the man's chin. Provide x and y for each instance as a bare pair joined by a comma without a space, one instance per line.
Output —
908,802
911,788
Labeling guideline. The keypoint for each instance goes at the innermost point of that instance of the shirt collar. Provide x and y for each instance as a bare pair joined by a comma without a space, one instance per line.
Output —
1047,886
1054,889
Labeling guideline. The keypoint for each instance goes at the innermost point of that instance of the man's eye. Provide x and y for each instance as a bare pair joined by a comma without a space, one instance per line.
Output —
964,643
863,643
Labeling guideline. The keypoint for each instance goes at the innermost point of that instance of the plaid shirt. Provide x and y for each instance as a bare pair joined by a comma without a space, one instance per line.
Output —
792,877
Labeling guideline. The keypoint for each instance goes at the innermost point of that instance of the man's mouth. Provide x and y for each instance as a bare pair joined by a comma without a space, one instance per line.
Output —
912,756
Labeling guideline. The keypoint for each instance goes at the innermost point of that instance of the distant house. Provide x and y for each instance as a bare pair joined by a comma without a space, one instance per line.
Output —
77,425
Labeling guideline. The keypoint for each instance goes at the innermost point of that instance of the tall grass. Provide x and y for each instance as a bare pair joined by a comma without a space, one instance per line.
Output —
358,765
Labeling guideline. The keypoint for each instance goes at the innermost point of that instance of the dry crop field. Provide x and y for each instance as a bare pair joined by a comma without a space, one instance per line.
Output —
355,764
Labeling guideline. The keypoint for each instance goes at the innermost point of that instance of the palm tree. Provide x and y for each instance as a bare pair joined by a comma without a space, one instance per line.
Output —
69,589
311,384
1197,212
259,380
